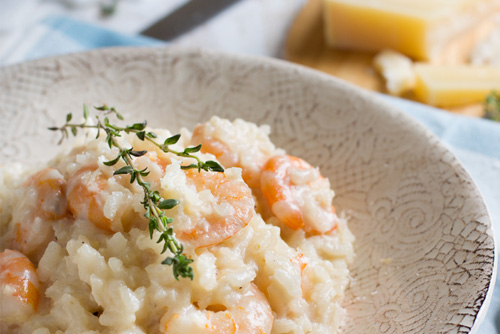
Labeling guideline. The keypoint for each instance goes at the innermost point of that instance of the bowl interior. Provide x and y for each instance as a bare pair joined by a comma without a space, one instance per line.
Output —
424,246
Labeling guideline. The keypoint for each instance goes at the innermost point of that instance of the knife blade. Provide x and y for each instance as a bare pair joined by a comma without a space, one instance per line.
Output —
185,18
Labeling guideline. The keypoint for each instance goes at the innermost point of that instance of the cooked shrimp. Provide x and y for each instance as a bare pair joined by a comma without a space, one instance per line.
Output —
228,158
84,199
19,287
298,195
228,142
155,165
102,200
49,185
232,210
214,146
43,202
238,312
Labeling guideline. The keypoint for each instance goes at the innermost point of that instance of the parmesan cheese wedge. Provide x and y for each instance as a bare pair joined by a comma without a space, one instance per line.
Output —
487,51
450,86
419,29
397,71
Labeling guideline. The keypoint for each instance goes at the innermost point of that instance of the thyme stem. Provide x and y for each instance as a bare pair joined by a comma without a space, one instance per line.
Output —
154,204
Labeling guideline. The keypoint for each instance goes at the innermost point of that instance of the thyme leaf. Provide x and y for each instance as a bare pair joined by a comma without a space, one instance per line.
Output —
492,106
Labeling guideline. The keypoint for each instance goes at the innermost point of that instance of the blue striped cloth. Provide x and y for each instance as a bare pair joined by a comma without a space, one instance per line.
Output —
57,35
475,142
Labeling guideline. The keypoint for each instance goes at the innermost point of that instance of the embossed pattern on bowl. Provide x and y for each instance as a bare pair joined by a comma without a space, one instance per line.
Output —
424,245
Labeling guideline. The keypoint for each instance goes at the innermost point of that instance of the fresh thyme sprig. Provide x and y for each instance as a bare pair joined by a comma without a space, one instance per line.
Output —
154,204
492,106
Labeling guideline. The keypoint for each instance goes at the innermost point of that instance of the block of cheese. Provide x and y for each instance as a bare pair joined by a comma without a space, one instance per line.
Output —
416,28
450,86
397,71
487,51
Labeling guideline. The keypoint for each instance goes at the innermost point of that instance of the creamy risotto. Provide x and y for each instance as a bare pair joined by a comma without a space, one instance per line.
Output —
270,255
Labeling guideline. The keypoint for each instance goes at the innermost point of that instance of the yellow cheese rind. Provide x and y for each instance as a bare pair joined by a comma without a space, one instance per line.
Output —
451,86
419,29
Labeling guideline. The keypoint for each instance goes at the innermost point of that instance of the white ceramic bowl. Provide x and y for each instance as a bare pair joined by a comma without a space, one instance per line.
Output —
424,245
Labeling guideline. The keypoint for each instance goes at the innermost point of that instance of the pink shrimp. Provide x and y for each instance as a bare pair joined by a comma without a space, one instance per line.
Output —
246,312
84,197
298,195
214,227
19,287
214,146
228,157
44,201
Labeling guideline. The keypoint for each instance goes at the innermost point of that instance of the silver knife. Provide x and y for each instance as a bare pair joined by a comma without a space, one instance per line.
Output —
185,18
